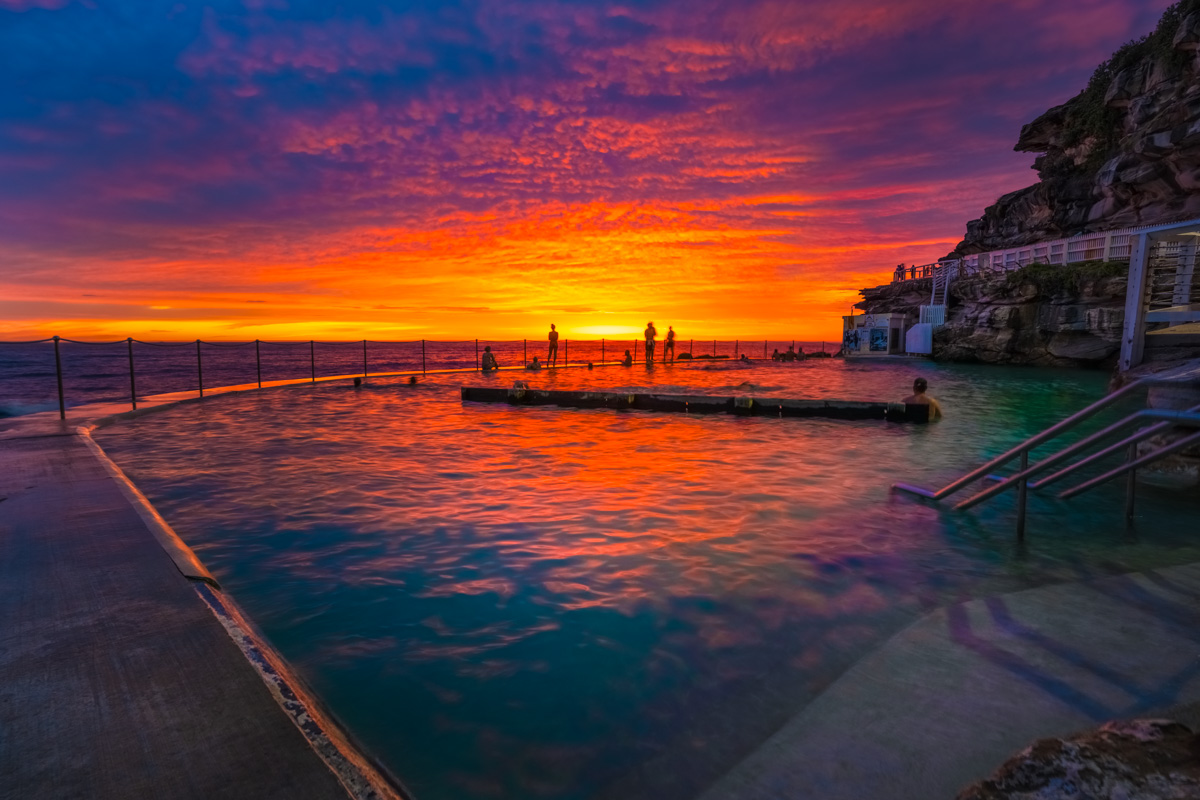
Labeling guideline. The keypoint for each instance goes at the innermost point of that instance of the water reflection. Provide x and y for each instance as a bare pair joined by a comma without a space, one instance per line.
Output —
514,602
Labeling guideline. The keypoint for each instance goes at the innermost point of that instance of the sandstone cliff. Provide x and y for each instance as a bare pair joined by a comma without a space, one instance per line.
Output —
1124,152
1041,316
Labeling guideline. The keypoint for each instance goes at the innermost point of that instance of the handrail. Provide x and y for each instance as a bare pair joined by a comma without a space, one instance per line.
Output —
1027,445
1140,435
1167,419
1129,466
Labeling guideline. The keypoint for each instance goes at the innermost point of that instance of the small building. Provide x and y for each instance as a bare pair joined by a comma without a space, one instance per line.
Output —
875,334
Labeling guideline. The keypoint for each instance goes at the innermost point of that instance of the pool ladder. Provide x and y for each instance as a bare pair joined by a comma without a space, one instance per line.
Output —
1160,422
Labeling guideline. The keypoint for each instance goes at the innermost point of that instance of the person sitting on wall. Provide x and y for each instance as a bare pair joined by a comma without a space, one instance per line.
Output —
918,397
535,364
488,363
628,360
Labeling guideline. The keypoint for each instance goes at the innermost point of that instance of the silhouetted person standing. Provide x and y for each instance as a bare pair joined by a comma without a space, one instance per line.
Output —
651,335
669,345
552,355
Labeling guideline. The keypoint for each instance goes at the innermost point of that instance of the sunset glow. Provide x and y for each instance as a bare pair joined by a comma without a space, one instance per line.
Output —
462,169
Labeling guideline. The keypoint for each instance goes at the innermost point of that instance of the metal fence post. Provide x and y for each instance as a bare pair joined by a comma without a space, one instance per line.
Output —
132,383
764,348
1131,486
735,348
62,408
635,351
1022,497
258,362
422,356
477,355
714,347
364,358
199,368
566,351
601,352
525,352
312,359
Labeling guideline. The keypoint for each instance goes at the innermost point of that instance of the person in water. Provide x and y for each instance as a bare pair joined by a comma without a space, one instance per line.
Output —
669,345
918,397
488,363
745,358
552,354
775,356
628,360
535,364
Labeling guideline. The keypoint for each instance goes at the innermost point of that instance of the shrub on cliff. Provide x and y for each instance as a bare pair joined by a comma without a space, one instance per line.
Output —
1053,279
1093,124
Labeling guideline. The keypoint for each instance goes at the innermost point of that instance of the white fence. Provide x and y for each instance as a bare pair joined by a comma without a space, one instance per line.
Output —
1104,246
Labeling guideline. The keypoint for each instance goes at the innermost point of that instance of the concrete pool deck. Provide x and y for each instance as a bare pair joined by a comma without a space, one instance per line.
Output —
120,676
946,701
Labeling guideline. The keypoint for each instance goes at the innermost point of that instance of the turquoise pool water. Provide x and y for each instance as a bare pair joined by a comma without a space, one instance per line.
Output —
536,602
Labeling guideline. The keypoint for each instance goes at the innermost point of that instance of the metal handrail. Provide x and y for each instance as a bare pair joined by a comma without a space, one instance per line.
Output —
1168,418
1163,420
1027,445
1130,466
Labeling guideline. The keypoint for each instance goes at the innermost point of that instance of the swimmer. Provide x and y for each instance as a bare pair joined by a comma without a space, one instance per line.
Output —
745,359
918,397
590,367
412,380
535,364
488,363
628,360
775,356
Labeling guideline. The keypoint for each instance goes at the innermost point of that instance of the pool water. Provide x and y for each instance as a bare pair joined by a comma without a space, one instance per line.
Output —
507,602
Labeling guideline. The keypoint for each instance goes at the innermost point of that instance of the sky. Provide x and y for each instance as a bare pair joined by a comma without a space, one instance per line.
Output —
457,169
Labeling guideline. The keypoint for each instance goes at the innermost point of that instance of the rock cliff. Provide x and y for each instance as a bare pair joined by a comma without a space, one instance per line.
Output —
1124,152
1046,317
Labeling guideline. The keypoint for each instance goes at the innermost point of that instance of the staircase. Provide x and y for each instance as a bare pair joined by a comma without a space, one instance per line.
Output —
1086,452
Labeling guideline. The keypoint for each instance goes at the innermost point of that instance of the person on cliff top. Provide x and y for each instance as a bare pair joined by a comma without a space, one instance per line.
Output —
669,344
628,360
918,397
488,363
552,354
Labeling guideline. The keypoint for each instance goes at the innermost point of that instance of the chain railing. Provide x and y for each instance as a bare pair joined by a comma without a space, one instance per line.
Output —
161,367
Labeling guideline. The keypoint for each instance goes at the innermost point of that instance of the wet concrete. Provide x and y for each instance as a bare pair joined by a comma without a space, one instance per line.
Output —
117,680
946,701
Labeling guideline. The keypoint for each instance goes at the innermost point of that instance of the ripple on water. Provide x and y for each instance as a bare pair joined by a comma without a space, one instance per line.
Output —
514,602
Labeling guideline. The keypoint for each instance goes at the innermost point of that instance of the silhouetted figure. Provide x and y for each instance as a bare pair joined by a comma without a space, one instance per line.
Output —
628,360
775,356
745,358
590,367
488,362
669,345
552,355
535,364
651,335
790,355
412,380
918,397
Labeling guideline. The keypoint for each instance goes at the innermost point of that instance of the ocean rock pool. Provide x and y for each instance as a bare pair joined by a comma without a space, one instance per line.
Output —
511,602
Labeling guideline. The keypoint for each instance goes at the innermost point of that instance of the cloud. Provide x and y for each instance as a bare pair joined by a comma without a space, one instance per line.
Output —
440,158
